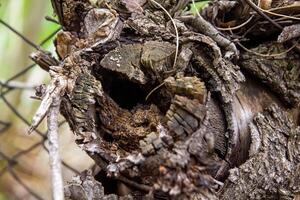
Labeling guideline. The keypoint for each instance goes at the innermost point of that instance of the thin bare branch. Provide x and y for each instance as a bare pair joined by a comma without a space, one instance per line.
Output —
50,19
55,161
255,8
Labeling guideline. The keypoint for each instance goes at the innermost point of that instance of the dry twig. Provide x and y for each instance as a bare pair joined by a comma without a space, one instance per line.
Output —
55,162
256,8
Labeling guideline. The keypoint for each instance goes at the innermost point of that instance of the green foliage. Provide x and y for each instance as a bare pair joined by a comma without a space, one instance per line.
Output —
21,15
47,28
198,6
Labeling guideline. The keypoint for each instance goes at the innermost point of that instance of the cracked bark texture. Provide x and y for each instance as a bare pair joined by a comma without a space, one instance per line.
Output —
280,73
272,171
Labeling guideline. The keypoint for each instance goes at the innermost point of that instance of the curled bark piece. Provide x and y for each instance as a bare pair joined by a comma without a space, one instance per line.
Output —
66,43
101,25
200,24
71,12
288,33
225,77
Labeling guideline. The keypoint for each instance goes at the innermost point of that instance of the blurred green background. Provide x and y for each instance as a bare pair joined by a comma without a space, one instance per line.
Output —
27,17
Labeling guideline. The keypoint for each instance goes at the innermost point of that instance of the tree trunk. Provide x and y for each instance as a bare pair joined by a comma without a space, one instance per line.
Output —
169,109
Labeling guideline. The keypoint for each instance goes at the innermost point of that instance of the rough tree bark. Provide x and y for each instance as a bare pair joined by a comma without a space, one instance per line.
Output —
216,125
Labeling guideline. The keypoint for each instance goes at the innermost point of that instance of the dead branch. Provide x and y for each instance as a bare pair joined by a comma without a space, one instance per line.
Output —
55,162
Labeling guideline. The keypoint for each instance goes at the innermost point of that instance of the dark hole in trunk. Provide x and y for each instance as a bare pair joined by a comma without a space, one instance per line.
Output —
128,94
125,93
110,185
255,41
